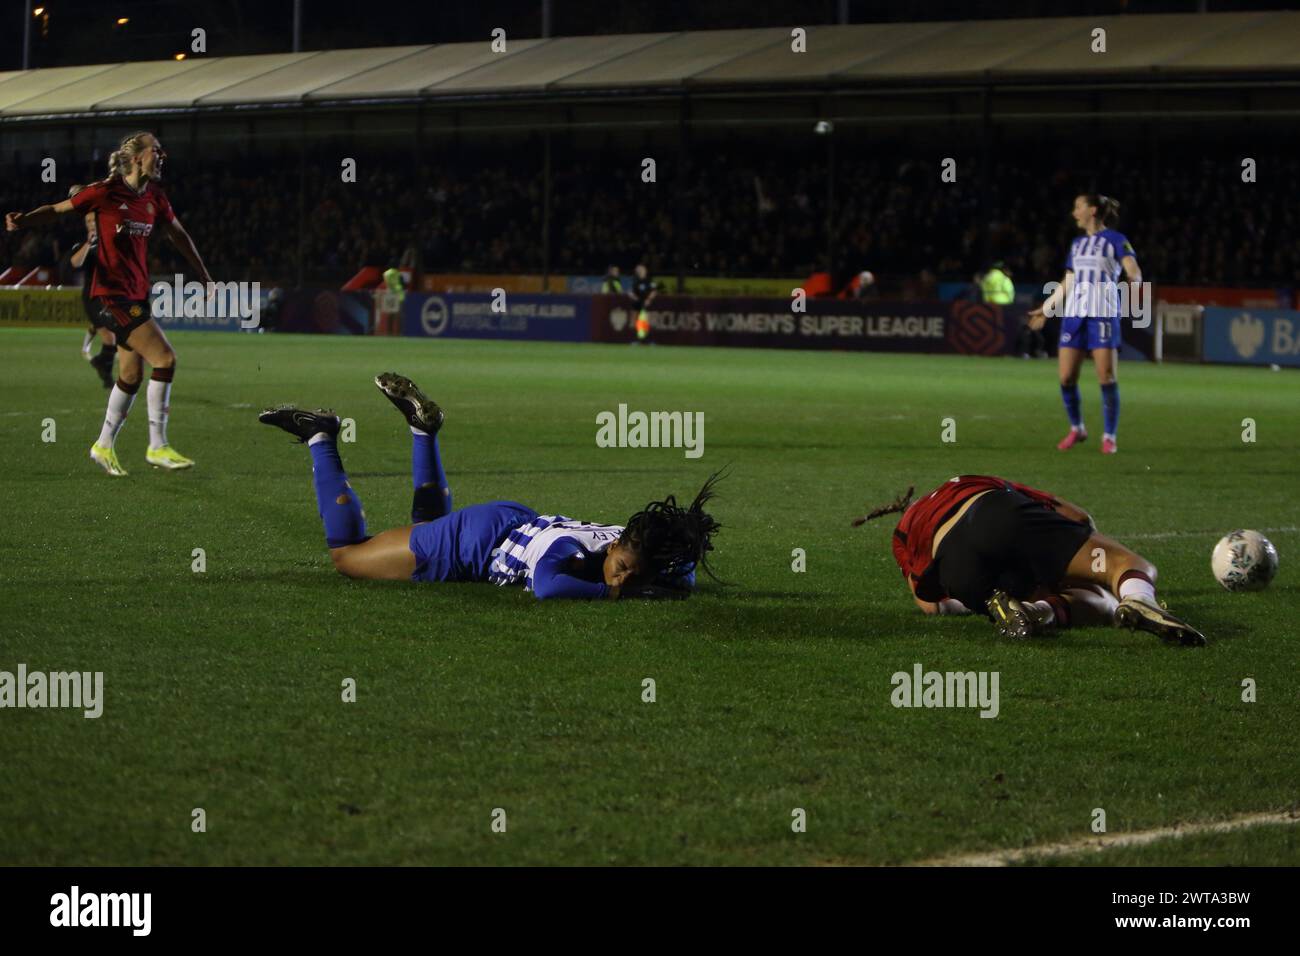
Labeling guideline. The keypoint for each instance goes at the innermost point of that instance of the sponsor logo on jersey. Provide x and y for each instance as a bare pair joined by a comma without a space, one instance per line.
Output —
133,228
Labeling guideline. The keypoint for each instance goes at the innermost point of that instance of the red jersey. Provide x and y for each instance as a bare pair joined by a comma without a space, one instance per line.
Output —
124,218
914,536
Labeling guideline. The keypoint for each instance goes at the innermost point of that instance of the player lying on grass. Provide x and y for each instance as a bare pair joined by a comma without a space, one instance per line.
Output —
1032,561
654,555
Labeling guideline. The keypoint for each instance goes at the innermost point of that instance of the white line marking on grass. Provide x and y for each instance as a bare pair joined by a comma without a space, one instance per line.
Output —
1154,535
1109,841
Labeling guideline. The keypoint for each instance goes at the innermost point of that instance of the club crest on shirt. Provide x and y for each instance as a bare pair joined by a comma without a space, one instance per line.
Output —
135,311
149,208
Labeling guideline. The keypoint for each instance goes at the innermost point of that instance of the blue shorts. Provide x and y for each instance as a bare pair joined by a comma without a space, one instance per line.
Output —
1089,334
458,546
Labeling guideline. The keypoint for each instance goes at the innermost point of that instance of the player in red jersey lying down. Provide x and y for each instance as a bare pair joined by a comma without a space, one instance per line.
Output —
1033,562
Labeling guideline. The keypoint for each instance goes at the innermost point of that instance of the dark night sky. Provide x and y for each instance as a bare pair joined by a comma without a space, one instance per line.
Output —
84,31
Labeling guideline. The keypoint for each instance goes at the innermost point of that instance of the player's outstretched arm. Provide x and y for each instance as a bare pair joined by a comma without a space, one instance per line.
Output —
1052,304
40,216
179,238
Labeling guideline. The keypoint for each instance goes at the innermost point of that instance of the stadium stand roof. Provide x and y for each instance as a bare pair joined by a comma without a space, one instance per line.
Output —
1160,46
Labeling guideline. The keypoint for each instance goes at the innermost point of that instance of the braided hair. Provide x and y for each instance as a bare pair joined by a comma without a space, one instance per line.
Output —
671,539
900,503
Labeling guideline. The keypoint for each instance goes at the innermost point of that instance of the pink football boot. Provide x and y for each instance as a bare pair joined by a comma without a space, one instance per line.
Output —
1075,436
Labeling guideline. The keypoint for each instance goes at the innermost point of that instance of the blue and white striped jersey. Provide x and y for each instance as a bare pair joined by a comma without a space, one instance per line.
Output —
523,548
1095,262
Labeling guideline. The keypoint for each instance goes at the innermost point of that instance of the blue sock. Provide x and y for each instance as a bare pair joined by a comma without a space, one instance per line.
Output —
1070,396
340,509
1110,408
432,498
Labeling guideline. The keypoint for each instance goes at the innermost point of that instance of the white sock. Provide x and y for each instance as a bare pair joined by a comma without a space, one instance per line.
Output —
1137,587
119,404
159,406
1098,598
419,431
320,436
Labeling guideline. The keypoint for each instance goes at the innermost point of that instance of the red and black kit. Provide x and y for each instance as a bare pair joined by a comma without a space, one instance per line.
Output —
124,220
1012,539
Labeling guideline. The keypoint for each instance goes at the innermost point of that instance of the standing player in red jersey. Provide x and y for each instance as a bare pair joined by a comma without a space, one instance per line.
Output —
126,206
1031,560
83,258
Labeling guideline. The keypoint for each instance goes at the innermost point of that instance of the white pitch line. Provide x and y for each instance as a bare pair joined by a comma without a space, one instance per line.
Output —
1098,843
1154,535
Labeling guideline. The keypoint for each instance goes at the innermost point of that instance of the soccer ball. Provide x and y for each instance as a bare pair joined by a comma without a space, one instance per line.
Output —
1244,561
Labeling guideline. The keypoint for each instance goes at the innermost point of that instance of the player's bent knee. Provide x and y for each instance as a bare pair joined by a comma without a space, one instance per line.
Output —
343,561
1139,565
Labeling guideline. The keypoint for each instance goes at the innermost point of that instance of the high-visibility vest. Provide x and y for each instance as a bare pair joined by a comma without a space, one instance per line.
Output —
997,288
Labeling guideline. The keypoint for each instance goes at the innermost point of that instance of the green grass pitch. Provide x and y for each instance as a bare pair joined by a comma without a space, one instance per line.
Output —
223,688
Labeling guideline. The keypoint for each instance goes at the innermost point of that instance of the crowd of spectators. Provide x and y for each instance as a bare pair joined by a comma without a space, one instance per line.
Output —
738,210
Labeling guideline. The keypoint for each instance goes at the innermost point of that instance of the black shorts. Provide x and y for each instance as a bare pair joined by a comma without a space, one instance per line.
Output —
1007,541
123,316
